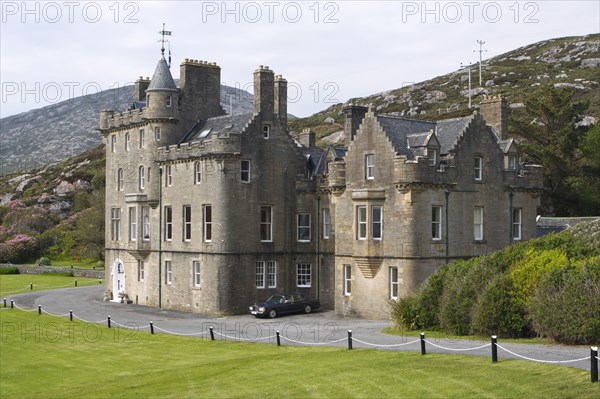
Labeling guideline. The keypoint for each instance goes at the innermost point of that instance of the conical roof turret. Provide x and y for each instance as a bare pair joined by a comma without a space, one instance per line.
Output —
162,79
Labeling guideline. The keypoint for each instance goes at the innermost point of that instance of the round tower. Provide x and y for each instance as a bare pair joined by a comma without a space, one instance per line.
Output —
162,95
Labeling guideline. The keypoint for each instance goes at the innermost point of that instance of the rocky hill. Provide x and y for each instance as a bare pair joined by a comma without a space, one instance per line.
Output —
33,139
566,62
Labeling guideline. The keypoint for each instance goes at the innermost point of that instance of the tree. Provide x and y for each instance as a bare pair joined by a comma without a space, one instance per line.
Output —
553,136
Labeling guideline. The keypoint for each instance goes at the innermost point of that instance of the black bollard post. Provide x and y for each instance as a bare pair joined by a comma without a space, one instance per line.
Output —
31,286
70,315
99,280
108,321
594,364
12,304
4,302
151,328
494,350
278,341
423,351
39,309
75,283
212,333
350,339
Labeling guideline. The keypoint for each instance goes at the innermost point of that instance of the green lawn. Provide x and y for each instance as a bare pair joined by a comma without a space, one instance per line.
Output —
50,357
11,284
81,264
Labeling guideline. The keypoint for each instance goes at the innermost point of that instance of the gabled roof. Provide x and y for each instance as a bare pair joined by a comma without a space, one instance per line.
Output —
417,140
219,125
449,131
397,129
505,145
162,79
315,155
339,153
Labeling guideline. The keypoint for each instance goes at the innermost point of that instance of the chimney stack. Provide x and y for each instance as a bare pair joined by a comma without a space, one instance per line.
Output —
354,116
495,112
139,91
264,96
307,138
281,100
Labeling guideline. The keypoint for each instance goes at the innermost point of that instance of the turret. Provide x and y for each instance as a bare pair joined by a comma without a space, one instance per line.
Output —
162,95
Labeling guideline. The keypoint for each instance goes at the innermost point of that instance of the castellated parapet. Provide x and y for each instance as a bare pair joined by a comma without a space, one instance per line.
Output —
229,144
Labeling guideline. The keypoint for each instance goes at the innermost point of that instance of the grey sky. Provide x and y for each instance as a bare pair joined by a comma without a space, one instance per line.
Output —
329,51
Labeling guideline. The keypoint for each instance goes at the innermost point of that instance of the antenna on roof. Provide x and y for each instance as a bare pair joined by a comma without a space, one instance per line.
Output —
481,51
163,33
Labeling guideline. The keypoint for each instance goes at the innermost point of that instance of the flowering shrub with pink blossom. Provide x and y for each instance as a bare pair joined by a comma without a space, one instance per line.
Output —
19,248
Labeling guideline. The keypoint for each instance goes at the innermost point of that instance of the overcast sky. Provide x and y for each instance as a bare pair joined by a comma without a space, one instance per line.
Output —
329,51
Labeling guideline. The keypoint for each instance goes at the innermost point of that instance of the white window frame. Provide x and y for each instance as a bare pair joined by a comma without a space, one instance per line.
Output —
146,223
245,169
115,223
517,224
113,143
168,223
478,168
207,222
266,225
303,275
436,222
197,172
272,274
168,176
370,166
132,212
326,223
361,222
127,141
260,274
120,179
303,228
157,133
375,222
142,138
196,273
186,215
478,223
512,162
266,132
168,101
347,280
432,155
168,272
141,270
394,283
141,177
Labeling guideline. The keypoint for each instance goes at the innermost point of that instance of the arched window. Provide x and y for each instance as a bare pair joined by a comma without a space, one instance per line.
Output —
127,141
142,177
120,179
197,172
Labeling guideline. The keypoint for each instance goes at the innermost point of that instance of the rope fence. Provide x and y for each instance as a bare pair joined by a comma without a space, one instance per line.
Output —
593,357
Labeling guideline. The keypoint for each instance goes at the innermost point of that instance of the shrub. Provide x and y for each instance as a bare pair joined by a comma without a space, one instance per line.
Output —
99,264
405,313
526,273
43,261
19,248
9,270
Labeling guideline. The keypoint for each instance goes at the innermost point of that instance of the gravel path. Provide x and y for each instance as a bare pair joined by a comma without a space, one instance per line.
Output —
318,328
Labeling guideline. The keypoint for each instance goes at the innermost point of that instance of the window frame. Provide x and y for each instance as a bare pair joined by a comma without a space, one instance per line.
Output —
478,168
394,283
207,223
268,224
266,131
375,222
157,133
512,162
303,227
132,215
169,101
115,224
361,223
271,274
245,176
142,137
436,222
168,175
517,223
141,275
113,143
186,214
196,274
326,223
127,141
197,172
347,280
168,272
168,223
369,166
304,274
433,156
120,179
145,223
141,177
478,231
260,280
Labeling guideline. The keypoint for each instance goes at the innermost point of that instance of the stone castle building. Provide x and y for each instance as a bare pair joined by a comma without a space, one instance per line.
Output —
208,212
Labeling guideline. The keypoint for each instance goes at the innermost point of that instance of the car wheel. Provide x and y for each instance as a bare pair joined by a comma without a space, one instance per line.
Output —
307,309
272,313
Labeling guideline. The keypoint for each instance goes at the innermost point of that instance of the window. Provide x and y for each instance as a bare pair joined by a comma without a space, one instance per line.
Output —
115,224
303,275
146,223
478,222
127,141
436,222
207,214
432,155
272,274
326,223
168,176
376,222
394,282
197,173
142,177
361,226
141,270
169,100
120,179
516,224
132,224
168,223
148,100
196,271
304,227
113,143
266,131
157,133
142,139
266,223
260,274
168,272
347,280
245,171
370,166
187,223
478,162
512,162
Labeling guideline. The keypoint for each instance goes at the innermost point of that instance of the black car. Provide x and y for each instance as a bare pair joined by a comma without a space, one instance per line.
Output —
284,303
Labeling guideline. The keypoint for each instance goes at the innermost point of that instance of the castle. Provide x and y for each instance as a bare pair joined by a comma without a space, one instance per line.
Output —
208,212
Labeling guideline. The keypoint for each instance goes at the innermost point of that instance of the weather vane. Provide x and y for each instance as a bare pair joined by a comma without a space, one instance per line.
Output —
163,33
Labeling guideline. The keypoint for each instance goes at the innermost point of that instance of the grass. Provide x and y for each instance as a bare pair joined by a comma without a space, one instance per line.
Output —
49,357
431,334
11,284
80,264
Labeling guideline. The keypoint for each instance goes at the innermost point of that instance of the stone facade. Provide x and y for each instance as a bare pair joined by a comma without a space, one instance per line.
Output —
208,213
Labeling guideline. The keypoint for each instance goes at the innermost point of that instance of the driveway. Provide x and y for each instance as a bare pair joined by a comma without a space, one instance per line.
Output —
317,328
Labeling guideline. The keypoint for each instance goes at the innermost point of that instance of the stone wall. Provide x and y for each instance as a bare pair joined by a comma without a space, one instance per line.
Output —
33,269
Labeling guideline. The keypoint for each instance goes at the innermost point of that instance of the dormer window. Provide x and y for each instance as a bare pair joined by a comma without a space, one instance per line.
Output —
512,162
432,155
169,99
266,131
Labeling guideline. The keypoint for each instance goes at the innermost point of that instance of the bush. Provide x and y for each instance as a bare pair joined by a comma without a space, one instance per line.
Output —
9,270
19,248
405,313
566,304
99,264
43,261
526,273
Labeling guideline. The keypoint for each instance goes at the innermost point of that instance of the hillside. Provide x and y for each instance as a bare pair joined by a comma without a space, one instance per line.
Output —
565,62
33,139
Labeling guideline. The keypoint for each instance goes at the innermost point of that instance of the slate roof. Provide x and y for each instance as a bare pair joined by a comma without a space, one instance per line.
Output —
417,139
449,131
339,152
219,125
162,79
547,225
505,145
317,156
397,129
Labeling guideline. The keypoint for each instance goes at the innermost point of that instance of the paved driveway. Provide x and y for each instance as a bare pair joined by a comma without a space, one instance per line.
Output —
318,328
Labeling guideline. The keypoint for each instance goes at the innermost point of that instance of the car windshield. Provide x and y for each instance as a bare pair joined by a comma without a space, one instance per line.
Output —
275,298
